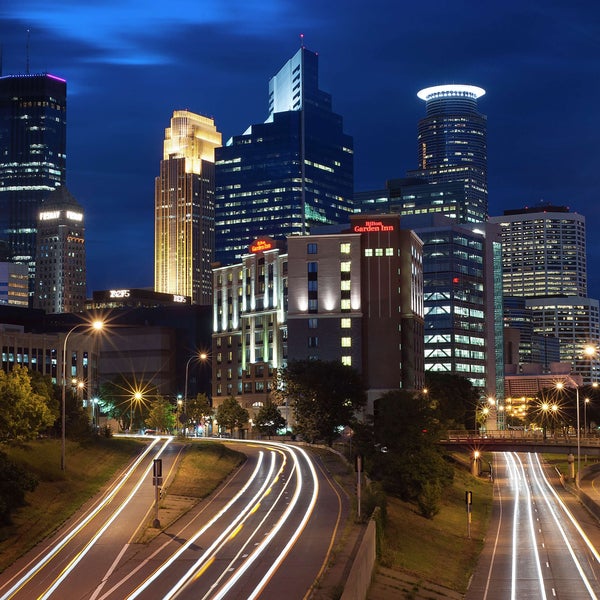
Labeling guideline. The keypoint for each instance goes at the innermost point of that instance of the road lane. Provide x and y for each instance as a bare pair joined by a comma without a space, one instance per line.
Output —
537,548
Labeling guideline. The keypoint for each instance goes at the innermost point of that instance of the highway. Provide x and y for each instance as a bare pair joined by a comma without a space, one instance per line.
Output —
259,535
541,544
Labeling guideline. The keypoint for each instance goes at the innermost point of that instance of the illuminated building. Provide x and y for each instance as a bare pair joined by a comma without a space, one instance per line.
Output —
60,274
184,226
356,295
544,263
133,298
462,290
281,177
14,284
452,144
352,293
249,339
544,252
33,111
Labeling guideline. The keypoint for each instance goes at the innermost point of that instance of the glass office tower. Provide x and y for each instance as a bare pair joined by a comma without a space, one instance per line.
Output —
292,171
33,123
452,144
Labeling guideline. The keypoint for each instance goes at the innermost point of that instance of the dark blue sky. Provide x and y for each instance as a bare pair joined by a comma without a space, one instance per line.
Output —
130,63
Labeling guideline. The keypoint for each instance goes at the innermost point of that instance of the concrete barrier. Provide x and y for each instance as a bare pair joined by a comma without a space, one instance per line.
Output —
361,572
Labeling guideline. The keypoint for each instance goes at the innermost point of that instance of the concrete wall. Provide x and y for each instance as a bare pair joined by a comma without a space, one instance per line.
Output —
359,580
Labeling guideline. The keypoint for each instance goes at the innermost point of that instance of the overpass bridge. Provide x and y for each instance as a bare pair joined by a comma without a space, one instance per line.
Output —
521,441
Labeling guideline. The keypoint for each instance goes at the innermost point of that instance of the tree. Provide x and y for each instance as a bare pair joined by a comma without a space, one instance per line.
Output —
413,466
199,409
231,415
23,412
118,400
14,482
455,397
161,417
269,420
325,396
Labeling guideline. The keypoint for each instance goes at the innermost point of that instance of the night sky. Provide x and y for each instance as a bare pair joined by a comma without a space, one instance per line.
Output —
130,63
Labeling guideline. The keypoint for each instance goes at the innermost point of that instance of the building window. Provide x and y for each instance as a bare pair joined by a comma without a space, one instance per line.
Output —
345,266
311,248
312,323
346,342
368,251
313,305
378,251
345,304
345,248
346,323
345,285
389,252
347,361
313,267
313,285
313,342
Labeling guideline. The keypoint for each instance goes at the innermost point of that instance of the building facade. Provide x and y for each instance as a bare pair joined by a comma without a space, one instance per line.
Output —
249,341
60,274
352,295
184,225
452,144
544,262
33,123
283,176
14,284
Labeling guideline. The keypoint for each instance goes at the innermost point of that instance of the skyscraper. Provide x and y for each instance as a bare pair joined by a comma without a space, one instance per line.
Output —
544,262
33,110
293,171
184,225
60,273
544,252
452,144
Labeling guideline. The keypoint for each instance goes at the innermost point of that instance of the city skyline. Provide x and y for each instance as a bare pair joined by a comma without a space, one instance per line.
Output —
127,69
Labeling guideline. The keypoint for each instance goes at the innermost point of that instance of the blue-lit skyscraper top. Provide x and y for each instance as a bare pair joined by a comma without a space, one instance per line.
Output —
292,171
452,144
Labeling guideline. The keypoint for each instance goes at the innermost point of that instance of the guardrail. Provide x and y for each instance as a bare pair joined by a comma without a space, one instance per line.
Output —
521,436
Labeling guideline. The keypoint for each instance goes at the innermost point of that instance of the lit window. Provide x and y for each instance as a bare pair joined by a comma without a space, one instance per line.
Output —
345,304
312,323
345,267
346,342
378,251
389,252
345,285
346,323
345,248
368,251
347,361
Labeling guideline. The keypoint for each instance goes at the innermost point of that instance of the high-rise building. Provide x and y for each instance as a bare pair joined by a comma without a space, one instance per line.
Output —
544,262
452,144
60,274
293,171
544,252
33,112
184,225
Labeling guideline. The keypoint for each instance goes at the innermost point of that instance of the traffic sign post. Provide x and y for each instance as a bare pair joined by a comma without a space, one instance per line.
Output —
468,504
157,482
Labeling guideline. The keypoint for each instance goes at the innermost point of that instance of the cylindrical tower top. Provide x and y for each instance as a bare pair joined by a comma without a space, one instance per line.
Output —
451,91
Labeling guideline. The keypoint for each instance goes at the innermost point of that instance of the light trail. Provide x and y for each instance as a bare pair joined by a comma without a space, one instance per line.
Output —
79,556
225,533
28,576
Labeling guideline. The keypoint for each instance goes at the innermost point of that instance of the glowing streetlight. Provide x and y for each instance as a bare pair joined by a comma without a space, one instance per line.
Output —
202,357
137,396
96,326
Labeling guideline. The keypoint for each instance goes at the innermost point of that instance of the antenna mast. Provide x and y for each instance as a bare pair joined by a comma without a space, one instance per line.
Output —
27,55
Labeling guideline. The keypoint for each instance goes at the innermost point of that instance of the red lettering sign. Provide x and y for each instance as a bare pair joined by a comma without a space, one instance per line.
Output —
373,226
261,246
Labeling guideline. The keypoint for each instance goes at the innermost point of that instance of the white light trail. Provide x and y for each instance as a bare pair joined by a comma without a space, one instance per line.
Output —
58,547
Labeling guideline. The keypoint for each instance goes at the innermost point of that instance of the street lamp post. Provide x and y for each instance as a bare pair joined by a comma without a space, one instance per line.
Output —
560,385
202,356
97,325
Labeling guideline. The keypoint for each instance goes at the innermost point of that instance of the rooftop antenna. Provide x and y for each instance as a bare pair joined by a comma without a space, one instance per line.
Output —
1,48
27,55
301,40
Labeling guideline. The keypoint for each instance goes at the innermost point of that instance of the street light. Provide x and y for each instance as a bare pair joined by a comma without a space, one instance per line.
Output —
137,396
97,326
201,356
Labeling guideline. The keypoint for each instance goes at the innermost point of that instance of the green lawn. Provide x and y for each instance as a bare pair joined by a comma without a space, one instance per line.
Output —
59,494
439,549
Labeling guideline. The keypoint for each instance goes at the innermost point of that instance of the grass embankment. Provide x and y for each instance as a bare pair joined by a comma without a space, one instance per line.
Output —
439,550
201,468
59,493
